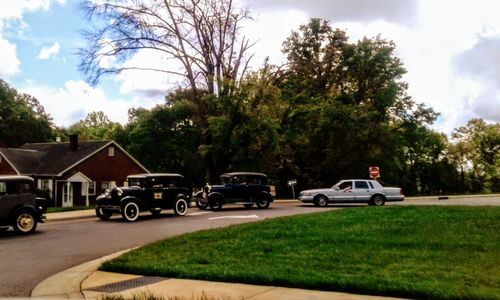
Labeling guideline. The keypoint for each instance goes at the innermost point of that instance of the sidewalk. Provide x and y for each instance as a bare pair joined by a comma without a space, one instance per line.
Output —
86,282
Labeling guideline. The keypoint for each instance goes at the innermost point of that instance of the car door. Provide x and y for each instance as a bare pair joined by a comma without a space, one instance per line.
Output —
344,192
362,191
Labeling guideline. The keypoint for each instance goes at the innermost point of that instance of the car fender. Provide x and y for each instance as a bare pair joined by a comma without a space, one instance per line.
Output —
216,195
24,207
139,202
378,194
265,194
322,195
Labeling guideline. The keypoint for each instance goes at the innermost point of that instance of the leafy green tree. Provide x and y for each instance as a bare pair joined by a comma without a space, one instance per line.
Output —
344,103
479,145
96,126
22,118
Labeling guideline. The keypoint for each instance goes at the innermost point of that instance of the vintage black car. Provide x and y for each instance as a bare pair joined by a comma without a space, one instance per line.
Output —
19,206
145,192
247,188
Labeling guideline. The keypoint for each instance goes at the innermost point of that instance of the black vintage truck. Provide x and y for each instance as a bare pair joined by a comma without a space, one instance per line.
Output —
19,206
145,192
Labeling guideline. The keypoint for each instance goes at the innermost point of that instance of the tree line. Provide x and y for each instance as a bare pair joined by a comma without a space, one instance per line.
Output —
334,109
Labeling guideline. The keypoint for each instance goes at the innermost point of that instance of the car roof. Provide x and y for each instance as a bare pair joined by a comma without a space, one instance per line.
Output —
16,177
244,174
357,179
149,175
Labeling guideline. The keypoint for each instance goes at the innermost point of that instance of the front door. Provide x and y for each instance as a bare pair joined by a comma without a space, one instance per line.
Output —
67,200
344,192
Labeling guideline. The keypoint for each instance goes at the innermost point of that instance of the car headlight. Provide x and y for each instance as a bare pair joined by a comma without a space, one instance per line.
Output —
305,193
119,192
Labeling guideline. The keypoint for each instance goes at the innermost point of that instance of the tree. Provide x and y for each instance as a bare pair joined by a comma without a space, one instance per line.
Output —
96,126
344,101
477,149
22,118
202,36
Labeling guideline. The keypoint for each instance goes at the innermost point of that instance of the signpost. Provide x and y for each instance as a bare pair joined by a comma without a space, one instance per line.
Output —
292,183
374,172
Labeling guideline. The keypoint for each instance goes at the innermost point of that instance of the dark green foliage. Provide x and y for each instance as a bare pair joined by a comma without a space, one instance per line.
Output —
410,252
22,119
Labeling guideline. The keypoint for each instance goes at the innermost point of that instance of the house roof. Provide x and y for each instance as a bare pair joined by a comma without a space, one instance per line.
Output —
52,158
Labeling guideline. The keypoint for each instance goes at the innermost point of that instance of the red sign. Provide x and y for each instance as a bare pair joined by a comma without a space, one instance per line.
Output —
374,172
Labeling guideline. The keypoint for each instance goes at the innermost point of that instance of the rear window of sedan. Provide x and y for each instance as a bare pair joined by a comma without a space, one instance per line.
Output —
363,185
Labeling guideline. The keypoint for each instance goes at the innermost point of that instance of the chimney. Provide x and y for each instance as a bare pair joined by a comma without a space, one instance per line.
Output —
73,142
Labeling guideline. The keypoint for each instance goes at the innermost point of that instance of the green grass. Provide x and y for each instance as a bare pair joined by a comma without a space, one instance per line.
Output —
416,252
62,209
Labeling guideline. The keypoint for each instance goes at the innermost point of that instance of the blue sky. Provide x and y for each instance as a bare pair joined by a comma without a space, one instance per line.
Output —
451,50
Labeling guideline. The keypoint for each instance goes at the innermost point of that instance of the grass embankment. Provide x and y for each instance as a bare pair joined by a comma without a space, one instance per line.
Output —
417,252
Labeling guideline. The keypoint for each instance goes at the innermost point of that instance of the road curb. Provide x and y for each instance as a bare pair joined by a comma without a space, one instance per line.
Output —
67,284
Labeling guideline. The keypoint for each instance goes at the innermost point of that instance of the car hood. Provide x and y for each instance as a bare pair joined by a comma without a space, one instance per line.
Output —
317,191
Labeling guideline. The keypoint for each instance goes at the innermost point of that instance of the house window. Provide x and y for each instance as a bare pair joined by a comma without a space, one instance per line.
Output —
3,188
45,185
111,151
104,186
90,189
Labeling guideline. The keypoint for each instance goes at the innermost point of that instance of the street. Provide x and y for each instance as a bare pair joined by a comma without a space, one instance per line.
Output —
56,246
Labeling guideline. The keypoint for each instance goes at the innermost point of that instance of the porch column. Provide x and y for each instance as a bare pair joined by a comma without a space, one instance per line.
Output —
68,186
87,193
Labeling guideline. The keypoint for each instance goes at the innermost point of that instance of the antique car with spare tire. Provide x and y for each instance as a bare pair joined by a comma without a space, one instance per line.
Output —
245,188
145,192
19,206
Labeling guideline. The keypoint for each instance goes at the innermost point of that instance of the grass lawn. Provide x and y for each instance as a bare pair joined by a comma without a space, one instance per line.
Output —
415,252
63,209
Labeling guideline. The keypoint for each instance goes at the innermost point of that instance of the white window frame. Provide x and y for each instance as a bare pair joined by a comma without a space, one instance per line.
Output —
86,192
111,151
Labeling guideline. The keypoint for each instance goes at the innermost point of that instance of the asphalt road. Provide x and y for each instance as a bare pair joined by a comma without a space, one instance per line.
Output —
56,246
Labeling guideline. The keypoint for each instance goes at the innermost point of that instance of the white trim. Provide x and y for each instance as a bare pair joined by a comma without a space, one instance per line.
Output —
78,177
8,161
93,153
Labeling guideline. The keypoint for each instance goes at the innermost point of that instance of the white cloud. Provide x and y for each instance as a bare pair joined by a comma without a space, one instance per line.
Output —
13,11
9,64
47,52
149,83
346,10
76,99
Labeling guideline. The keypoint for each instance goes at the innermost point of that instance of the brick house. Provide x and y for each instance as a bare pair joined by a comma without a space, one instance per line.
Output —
74,173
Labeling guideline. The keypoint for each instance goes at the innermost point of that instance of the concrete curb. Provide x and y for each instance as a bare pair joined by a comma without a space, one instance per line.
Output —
67,284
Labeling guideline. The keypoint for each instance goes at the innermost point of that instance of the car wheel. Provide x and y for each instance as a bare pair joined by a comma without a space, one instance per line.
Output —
377,200
321,201
202,205
24,222
215,203
130,211
248,205
263,202
102,214
180,207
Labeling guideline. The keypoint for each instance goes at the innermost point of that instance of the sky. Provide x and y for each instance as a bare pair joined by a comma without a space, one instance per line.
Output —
450,49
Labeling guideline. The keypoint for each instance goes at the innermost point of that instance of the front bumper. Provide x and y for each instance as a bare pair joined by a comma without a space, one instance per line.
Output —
306,199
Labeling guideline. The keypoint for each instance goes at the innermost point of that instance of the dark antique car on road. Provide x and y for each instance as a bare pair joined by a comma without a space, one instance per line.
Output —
145,192
246,188
19,206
